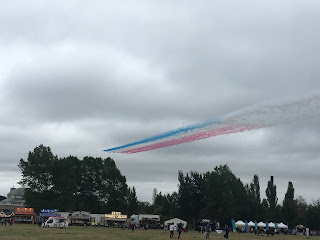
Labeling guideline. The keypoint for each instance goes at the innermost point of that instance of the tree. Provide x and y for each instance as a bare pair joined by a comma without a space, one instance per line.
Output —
225,196
290,192
271,193
272,199
313,215
102,187
132,201
37,176
255,189
37,171
65,181
91,184
256,210
190,194
301,211
289,205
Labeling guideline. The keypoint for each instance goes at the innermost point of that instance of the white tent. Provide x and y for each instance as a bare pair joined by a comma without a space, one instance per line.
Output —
251,224
281,225
240,223
271,225
175,221
261,224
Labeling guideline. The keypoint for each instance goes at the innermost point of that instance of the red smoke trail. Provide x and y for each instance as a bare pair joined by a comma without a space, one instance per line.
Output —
193,137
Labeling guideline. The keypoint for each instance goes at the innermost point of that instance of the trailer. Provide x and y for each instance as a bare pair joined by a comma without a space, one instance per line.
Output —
145,220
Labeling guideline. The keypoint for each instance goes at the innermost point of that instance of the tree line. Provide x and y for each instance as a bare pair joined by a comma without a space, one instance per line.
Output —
220,195
97,185
91,184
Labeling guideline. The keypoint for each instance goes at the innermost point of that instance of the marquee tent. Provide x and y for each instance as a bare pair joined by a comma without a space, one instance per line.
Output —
272,225
281,225
251,224
261,224
240,223
175,221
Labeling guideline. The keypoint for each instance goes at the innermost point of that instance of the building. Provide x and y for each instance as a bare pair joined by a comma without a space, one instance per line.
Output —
14,200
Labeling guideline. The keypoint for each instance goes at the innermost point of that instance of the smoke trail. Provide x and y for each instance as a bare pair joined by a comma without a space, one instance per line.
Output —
252,117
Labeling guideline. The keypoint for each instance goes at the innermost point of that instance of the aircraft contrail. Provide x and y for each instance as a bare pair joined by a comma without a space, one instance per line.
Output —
260,115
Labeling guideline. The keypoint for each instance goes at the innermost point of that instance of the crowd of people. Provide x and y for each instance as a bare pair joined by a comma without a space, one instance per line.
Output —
5,221
207,228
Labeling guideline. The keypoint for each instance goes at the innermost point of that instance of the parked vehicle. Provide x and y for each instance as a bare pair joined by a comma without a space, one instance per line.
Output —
61,222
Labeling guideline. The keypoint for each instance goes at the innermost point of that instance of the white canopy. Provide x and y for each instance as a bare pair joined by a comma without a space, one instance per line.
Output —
261,224
281,225
240,223
251,224
271,225
175,221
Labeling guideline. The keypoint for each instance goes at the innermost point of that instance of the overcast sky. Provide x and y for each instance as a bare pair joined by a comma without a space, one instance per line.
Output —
83,76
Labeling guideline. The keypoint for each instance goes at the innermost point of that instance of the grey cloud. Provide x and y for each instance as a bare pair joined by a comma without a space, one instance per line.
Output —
109,74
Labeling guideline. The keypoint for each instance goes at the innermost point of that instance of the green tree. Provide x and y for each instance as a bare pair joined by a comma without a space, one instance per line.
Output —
191,194
132,201
91,184
256,210
289,205
271,193
225,196
255,189
313,215
65,177
37,171
102,187
301,211
37,176
272,199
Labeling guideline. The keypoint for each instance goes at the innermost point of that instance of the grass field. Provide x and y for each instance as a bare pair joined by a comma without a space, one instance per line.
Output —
30,232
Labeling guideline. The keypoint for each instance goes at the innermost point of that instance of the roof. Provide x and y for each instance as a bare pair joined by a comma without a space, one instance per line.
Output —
175,220
12,200
240,223
17,192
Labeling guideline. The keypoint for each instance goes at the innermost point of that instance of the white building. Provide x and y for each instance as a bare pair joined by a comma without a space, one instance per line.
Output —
14,200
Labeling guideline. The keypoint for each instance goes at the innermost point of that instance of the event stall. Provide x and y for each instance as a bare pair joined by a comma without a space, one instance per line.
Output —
240,223
175,222
281,225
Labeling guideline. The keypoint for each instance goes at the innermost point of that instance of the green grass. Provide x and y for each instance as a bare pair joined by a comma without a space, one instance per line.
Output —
30,232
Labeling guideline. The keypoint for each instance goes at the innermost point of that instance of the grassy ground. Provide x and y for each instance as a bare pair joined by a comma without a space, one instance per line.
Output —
30,232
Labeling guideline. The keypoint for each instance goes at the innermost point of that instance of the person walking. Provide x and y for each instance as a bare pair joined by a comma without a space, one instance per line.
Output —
171,229
179,230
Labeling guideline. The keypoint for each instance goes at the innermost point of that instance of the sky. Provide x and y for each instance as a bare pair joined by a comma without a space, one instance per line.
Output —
84,76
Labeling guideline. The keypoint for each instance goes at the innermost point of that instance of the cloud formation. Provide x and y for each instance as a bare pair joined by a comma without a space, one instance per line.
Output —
80,77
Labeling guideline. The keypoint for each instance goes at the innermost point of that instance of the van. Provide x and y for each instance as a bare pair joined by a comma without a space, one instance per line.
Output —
61,222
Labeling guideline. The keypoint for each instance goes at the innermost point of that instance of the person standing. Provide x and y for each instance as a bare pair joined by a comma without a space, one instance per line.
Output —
226,235
208,230
171,229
